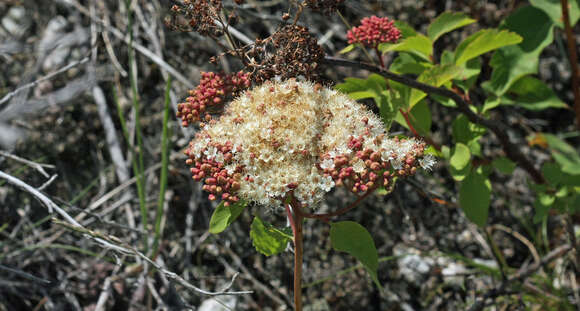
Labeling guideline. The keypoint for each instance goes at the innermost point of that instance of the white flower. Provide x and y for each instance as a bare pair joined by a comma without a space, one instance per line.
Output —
427,162
359,166
327,164
326,184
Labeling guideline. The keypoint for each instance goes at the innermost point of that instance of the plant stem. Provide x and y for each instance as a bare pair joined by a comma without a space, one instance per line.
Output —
573,57
296,218
298,255
380,56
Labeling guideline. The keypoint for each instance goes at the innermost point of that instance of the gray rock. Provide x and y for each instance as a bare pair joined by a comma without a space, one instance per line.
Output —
213,305
15,22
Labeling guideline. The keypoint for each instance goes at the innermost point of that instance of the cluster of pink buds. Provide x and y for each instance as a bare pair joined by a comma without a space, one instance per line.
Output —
221,177
212,91
367,168
373,31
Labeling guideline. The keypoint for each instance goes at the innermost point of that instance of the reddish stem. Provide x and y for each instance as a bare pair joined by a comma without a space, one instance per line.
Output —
380,56
296,220
426,139
573,59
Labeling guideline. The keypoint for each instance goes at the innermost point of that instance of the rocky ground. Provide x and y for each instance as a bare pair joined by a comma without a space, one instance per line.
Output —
70,61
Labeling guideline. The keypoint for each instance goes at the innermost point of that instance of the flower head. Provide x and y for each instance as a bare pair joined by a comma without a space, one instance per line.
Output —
300,139
374,30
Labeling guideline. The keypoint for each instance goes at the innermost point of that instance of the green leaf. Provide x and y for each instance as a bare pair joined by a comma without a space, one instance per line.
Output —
350,237
267,239
554,9
418,45
490,103
484,41
405,29
460,161
407,63
564,154
348,48
474,197
556,177
223,216
504,165
510,63
542,205
420,117
435,76
447,22
533,94
464,131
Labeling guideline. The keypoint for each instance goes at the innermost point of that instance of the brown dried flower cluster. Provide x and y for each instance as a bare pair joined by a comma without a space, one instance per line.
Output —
327,7
201,16
295,53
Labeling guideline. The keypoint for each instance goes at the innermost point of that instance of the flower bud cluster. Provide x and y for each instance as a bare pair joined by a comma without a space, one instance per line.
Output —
373,31
212,91
300,139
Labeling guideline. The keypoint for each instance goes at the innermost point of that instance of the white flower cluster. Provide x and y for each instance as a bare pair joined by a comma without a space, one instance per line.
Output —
285,135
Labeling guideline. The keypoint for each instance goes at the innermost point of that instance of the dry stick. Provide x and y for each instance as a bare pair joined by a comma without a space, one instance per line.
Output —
521,275
573,56
47,77
37,166
512,151
140,48
106,241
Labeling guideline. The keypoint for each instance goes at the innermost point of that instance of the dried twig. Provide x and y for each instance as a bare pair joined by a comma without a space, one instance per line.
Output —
47,77
108,241
37,166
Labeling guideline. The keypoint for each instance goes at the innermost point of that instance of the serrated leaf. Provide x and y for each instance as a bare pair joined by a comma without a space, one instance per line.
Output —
554,9
419,45
474,197
504,165
223,216
447,22
484,41
510,63
267,239
435,76
351,237
532,94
